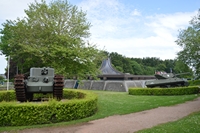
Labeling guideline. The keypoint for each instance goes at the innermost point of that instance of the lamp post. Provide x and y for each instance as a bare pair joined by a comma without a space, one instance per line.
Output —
8,72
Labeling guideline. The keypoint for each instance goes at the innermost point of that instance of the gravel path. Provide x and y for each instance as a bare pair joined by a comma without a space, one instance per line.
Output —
127,123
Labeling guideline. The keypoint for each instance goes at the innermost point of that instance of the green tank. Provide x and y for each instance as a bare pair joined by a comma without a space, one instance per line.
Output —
166,80
41,80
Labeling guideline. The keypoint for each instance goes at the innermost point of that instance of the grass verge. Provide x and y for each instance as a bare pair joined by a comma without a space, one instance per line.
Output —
188,124
118,103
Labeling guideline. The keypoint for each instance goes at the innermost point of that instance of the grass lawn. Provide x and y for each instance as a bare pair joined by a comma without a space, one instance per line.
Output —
189,124
114,103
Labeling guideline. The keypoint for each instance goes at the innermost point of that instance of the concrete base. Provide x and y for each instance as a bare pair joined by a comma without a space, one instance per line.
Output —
108,85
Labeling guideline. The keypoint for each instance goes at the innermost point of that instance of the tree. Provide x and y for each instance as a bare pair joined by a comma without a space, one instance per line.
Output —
137,69
117,61
53,35
127,65
189,40
181,67
161,67
147,70
169,63
151,61
1,78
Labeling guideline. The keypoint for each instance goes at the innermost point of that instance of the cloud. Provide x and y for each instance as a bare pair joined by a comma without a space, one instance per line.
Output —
174,21
136,13
127,31
11,9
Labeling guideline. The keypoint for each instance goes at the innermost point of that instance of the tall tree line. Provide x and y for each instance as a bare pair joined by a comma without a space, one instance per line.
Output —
147,65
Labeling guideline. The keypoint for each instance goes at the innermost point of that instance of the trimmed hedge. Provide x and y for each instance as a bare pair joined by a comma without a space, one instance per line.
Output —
165,91
67,94
7,95
81,105
194,82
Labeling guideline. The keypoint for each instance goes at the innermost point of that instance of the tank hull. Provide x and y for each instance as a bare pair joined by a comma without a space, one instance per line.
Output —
174,82
40,87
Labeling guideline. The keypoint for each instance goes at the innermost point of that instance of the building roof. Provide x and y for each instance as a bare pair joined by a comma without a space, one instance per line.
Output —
107,69
110,73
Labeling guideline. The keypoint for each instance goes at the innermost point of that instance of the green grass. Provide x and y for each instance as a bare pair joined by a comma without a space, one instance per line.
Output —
118,103
189,124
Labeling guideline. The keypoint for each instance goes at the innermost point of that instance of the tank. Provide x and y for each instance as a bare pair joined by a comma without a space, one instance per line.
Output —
166,80
41,80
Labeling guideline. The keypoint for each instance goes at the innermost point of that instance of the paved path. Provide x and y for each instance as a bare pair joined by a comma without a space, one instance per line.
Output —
127,123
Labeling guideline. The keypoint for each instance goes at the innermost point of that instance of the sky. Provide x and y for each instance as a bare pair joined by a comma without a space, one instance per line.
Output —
132,28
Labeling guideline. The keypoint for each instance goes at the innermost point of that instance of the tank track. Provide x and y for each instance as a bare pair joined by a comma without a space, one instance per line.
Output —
20,88
58,87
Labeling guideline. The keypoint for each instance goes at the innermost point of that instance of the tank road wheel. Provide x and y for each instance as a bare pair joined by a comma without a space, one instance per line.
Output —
58,87
20,88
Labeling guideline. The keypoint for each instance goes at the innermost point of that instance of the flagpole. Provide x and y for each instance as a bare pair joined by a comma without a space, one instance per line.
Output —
8,72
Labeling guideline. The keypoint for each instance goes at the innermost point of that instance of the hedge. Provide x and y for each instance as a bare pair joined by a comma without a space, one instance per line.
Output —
81,105
7,95
164,91
194,82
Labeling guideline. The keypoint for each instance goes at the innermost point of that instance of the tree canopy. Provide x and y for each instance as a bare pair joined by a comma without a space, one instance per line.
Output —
148,65
189,40
52,35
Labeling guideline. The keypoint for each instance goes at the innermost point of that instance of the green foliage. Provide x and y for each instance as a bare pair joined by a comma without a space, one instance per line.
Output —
121,63
70,95
136,67
161,67
119,68
1,78
189,40
165,91
17,114
181,67
148,70
194,82
7,95
53,35
148,65
151,61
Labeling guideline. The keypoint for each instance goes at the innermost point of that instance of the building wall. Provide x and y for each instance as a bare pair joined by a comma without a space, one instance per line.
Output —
121,86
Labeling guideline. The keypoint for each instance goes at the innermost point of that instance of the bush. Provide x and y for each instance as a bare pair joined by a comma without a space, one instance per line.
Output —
67,94
7,95
82,105
164,91
194,82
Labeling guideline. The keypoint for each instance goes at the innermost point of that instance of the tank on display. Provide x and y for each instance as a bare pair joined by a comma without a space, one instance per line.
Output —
41,80
166,80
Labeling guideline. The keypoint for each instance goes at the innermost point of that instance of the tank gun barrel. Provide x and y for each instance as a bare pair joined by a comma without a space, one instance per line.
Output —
182,73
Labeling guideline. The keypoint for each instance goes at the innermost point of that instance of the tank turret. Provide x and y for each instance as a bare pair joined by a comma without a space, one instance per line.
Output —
41,80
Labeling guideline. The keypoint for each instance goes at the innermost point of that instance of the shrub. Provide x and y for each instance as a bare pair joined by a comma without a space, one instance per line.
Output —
194,82
164,91
67,94
83,104
7,95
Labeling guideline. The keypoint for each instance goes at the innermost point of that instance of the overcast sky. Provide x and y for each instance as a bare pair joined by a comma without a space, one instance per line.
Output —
132,28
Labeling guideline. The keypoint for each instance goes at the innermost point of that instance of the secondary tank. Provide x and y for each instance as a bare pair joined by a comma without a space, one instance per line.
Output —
166,80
